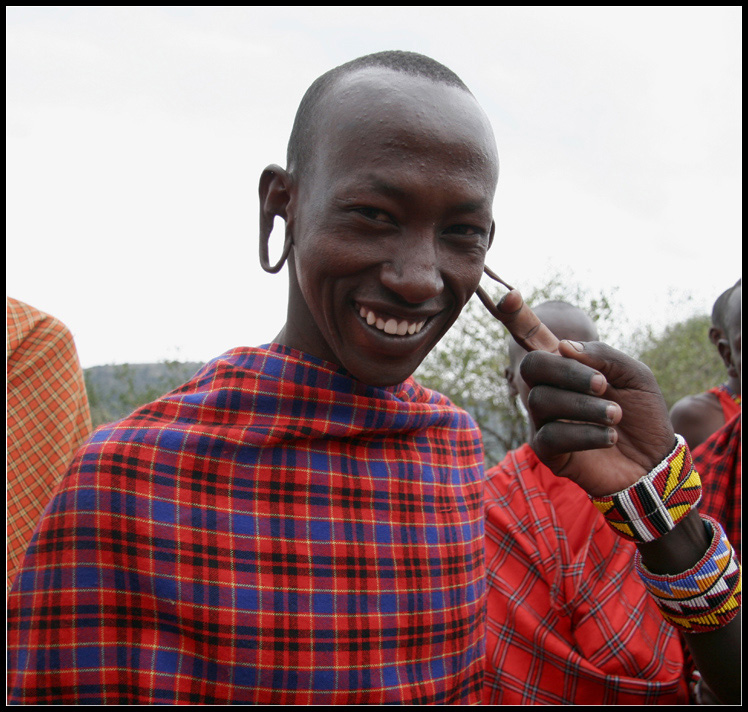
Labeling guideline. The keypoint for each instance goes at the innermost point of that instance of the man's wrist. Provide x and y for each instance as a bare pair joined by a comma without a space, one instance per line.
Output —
678,550
653,506
705,596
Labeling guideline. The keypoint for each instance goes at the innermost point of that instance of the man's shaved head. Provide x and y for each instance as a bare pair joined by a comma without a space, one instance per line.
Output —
564,320
719,311
302,135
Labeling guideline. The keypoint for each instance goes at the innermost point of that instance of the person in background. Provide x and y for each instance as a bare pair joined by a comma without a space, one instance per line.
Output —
720,456
696,417
48,419
568,620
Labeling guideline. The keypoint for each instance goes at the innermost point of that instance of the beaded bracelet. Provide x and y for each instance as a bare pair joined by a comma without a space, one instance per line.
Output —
652,506
708,595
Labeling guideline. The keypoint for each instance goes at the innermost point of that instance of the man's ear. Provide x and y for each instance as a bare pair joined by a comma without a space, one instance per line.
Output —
275,200
491,234
726,353
715,335
509,375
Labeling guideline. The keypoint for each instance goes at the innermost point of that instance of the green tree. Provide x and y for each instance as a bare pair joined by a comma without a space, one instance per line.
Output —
681,357
117,390
468,364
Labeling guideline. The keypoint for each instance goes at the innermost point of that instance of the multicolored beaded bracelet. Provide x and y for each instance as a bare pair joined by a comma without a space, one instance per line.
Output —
658,501
708,595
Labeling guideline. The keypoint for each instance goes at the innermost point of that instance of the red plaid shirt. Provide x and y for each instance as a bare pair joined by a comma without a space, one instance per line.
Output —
272,532
729,401
718,461
48,418
568,621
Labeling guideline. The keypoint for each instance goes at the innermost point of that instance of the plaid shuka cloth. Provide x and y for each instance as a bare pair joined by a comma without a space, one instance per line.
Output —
568,620
271,532
718,461
729,401
48,418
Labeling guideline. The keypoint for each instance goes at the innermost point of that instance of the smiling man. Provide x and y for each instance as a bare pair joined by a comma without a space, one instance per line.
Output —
302,523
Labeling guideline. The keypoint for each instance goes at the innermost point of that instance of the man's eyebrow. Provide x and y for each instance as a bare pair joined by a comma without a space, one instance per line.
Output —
382,186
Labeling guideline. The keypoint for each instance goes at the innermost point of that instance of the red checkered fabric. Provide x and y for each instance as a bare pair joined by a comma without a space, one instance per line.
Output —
48,419
718,461
729,401
272,532
568,620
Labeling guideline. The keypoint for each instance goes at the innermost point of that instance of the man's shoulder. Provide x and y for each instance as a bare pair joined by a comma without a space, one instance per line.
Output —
31,331
519,469
415,392
697,416
522,474
697,401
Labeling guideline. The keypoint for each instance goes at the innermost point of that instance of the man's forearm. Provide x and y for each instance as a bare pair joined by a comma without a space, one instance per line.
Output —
716,653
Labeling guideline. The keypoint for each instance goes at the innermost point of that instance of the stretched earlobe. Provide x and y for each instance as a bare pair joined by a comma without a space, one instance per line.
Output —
274,200
264,249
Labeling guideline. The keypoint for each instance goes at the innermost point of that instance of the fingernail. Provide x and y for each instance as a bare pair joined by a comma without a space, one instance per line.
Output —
578,345
598,382
611,412
612,436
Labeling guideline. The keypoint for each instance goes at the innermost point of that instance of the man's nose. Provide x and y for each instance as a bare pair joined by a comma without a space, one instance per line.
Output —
413,271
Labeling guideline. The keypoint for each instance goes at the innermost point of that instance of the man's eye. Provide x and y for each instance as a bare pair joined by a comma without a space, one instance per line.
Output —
374,214
467,230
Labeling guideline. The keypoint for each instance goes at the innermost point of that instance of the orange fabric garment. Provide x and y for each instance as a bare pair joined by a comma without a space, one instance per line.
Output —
729,402
568,620
48,418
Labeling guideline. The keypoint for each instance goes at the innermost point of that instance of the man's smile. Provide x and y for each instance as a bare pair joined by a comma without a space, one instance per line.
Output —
390,324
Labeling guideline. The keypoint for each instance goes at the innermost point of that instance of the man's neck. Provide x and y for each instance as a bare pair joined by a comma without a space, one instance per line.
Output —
733,383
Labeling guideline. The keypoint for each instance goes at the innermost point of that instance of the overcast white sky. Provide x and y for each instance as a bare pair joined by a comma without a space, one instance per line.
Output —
136,137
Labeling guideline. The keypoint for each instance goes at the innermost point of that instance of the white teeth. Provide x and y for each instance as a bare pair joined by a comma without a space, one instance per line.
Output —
390,326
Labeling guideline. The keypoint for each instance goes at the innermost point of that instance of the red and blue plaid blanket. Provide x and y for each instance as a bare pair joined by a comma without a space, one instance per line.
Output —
719,461
272,532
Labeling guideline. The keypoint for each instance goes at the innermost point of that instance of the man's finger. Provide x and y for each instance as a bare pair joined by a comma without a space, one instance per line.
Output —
524,326
548,404
540,368
558,438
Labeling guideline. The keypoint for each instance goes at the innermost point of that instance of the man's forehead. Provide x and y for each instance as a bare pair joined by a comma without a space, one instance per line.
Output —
380,94
386,115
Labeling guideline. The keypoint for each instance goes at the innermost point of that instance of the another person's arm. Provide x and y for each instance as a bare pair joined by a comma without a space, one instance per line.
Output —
602,421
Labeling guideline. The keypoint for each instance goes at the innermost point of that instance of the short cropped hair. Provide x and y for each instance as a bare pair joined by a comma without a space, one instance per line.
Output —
302,133
719,310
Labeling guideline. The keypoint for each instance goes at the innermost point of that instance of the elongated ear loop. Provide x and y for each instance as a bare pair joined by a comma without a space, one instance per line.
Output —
487,301
265,257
